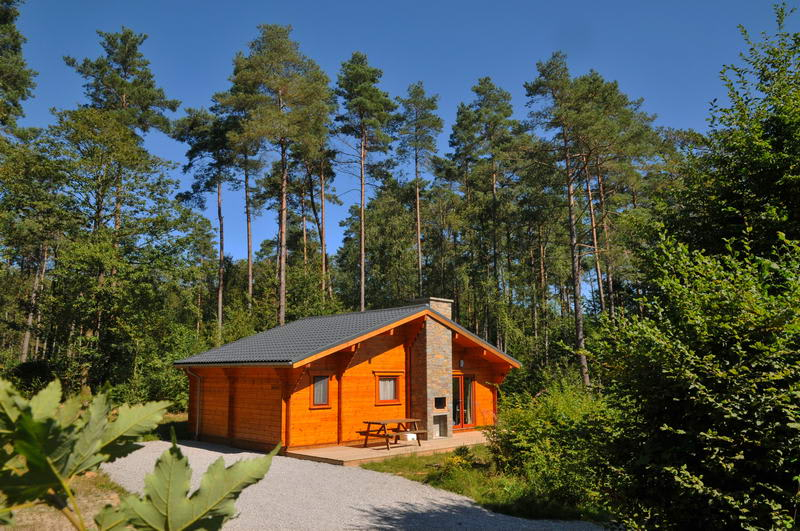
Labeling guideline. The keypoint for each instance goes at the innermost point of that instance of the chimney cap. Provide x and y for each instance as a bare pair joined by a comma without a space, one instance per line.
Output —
428,300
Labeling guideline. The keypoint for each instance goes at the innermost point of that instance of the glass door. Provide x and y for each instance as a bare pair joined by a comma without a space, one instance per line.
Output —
463,401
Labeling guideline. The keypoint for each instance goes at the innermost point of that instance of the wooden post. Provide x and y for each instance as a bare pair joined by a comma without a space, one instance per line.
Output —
287,407
231,403
339,378
346,361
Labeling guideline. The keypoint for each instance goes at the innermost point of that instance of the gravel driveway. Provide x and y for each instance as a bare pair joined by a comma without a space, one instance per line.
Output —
298,494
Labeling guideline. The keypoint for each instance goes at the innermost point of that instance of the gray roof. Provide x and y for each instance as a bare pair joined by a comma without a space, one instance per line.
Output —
300,339
304,338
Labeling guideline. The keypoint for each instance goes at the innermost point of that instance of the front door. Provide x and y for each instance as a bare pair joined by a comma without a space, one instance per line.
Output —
463,401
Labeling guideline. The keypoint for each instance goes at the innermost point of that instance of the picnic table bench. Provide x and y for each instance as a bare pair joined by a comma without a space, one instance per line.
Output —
382,430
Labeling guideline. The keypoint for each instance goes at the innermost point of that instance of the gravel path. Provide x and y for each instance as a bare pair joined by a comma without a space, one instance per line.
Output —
300,495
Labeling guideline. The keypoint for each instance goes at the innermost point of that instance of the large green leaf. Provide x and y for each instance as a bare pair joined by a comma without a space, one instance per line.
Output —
45,404
165,488
221,485
69,413
111,519
36,441
6,516
84,453
10,403
165,505
131,423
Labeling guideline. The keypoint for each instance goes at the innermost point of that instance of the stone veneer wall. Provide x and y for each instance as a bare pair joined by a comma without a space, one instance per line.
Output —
432,370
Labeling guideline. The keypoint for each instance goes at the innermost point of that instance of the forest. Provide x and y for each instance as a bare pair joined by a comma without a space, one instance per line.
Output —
646,277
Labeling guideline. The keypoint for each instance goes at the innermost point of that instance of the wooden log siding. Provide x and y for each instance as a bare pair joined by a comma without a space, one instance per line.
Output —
320,426
214,405
240,406
256,409
487,375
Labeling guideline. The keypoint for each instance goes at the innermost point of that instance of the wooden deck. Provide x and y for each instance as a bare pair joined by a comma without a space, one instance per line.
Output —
356,455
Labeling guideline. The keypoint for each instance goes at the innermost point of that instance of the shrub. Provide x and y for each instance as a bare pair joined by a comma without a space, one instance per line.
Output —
550,440
707,385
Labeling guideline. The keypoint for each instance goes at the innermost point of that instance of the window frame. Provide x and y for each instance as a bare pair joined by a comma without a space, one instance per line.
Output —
312,376
397,376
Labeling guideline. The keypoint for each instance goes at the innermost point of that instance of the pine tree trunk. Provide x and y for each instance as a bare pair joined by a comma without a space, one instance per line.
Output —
317,222
248,215
305,234
607,241
496,272
543,295
324,249
199,309
509,267
362,214
419,222
595,246
534,294
38,280
576,269
221,268
282,238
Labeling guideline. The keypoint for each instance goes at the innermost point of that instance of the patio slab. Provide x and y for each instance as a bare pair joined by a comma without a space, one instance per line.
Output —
357,455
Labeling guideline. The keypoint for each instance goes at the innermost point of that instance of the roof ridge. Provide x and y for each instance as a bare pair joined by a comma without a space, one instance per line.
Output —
355,313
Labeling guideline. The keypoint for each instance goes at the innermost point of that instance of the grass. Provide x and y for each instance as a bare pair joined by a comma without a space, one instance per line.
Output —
93,491
421,467
471,472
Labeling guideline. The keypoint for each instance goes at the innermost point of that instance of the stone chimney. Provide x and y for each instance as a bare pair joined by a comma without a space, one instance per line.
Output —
432,372
443,306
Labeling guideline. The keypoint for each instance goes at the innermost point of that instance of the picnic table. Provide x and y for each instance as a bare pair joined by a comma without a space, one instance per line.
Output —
383,431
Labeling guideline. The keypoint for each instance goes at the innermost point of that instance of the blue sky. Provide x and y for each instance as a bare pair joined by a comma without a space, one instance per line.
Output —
669,53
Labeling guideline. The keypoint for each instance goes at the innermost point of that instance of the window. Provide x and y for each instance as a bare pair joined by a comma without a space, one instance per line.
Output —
387,388
319,391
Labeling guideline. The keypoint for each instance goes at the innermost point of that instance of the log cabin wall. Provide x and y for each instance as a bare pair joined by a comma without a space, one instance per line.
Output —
356,372
310,425
238,406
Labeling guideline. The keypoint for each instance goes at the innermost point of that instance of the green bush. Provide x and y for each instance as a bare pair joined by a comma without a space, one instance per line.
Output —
550,440
707,386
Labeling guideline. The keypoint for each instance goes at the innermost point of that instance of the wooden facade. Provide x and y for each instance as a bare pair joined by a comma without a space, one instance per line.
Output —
258,406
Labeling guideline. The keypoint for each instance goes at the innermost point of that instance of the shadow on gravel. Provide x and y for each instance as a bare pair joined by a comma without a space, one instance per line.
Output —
214,447
435,515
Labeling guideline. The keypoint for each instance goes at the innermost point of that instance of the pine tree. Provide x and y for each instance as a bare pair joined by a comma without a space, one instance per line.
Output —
16,79
121,81
554,85
417,136
211,157
366,115
238,104
290,106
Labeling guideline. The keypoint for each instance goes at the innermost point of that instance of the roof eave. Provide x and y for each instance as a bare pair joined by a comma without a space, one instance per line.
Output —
514,363
284,364
355,340
483,343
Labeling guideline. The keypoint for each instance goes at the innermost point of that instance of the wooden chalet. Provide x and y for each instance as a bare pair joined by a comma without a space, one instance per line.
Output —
314,382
